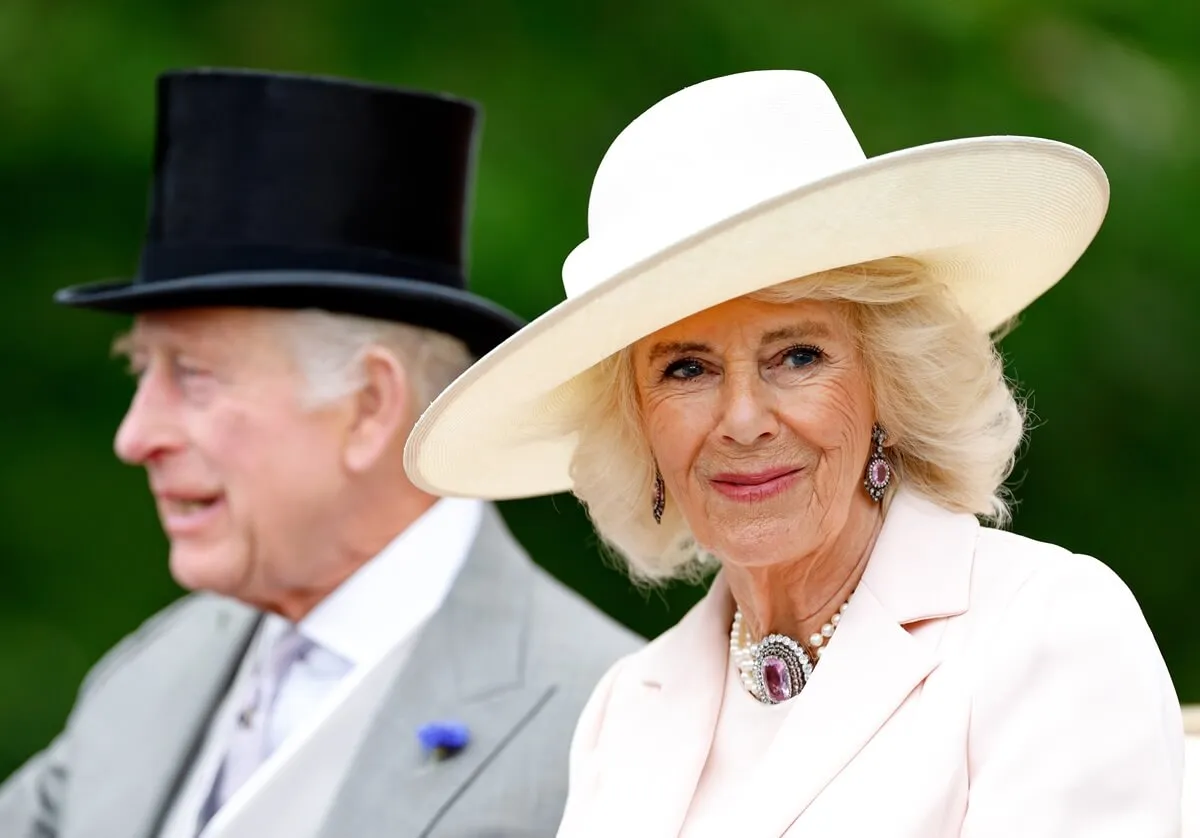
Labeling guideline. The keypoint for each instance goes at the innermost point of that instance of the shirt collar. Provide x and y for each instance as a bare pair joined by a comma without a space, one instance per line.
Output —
391,596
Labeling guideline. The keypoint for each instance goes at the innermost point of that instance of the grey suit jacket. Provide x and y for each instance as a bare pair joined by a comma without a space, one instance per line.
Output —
512,653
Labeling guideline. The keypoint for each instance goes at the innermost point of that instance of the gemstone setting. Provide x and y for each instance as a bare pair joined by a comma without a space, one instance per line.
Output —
880,472
777,679
879,475
781,669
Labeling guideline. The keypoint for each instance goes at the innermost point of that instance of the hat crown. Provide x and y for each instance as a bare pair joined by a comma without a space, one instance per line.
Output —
706,153
285,191
258,170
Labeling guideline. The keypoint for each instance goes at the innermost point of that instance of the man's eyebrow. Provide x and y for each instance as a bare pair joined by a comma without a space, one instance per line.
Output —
123,345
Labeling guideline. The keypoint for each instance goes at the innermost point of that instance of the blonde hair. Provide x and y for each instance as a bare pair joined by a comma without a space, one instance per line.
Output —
938,385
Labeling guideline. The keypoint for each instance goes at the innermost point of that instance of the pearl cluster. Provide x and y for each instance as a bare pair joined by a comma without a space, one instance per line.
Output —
745,655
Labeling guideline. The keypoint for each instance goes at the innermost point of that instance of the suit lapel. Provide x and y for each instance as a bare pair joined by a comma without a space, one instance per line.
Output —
143,728
467,667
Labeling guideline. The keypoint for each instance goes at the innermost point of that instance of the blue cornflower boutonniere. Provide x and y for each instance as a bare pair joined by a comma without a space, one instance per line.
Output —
443,739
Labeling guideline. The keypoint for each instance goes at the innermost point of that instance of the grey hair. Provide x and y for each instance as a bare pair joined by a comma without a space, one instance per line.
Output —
329,348
938,385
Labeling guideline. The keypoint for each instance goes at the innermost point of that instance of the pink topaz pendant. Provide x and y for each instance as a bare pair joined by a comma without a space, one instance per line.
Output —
781,668
778,668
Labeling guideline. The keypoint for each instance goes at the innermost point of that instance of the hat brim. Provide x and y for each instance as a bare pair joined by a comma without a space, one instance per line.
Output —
999,220
479,323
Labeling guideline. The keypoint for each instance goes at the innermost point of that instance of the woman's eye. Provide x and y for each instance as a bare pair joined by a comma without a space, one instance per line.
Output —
687,368
801,356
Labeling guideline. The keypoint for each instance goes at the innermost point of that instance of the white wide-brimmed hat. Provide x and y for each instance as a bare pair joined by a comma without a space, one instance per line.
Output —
723,189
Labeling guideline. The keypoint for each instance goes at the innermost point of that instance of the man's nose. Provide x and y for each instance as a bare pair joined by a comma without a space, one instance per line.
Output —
149,427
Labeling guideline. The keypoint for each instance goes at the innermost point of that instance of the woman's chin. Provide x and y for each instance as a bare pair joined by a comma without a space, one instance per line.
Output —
759,548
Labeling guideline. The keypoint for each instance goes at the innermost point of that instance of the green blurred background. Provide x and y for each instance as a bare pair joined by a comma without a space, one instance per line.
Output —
1108,355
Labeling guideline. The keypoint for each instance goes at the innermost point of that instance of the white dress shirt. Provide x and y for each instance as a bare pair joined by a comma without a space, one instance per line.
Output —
377,612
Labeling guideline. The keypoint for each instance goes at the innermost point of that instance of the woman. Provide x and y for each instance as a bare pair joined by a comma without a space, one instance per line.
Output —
775,360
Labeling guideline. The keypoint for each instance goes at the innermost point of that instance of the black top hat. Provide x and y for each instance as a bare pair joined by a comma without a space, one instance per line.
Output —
286,191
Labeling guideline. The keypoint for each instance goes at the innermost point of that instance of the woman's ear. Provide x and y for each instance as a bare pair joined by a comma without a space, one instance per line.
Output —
890,437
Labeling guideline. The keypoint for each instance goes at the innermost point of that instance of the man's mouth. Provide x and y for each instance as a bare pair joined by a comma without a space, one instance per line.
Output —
188,515
188,506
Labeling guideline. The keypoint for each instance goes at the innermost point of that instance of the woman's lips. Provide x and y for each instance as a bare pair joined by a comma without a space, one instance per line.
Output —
756,486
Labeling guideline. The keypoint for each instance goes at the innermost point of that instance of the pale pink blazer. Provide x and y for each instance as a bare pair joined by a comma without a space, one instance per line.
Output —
980,684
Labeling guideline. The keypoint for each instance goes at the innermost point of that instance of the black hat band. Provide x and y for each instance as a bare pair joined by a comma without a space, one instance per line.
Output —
173,260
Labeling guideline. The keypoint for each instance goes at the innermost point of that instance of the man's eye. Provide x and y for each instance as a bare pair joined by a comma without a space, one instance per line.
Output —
186,370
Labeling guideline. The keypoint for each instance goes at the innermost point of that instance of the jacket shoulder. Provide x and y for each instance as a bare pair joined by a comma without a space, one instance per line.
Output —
571,629
1008,565
155,630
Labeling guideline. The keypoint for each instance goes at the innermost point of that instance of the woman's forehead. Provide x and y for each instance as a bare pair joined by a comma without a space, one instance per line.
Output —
752,321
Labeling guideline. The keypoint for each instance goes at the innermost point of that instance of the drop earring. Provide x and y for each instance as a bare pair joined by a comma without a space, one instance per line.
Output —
879,470
660,496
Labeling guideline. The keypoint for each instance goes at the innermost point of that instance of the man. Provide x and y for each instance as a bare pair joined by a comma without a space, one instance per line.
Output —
364,659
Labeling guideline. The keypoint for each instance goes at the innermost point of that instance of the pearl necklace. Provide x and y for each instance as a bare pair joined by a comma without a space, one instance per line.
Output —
777,668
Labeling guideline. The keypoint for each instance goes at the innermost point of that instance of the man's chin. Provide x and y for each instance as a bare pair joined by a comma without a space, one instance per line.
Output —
205,569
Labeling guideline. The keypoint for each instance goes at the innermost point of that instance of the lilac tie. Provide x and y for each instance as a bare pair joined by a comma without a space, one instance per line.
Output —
251,742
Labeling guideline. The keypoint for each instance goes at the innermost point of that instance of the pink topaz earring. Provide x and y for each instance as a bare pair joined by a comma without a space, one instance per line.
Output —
660,496
879,470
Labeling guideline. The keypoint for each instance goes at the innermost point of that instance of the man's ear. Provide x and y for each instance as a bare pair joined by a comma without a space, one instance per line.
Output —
380,409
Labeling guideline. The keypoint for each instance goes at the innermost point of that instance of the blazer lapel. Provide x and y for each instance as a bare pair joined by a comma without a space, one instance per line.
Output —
919,571
668,719
467,667
869,668
147,719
